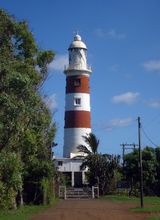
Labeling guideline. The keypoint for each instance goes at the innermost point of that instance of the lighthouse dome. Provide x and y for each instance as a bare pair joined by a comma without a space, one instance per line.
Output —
77,43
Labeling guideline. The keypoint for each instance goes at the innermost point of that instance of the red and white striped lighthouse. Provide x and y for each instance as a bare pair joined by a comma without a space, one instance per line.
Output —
77,101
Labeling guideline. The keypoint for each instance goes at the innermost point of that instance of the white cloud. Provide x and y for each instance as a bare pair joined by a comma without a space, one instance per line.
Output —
126,98
154,103
51,102
117,122
113,34
152,65
59,62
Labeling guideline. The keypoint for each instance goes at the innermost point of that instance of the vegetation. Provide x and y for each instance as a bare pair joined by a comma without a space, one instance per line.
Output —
104,170
26,127
152,204
147,199
149,209
101,167
122,198
22,213
154,218
151,170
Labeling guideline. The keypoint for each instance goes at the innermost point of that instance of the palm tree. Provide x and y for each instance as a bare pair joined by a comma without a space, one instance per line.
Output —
91,157
100,167
91,144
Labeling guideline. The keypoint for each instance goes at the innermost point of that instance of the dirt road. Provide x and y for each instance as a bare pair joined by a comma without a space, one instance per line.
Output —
90,210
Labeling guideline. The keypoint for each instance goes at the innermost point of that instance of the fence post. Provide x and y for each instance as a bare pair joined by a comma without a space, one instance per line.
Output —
93,196
65,194
98,192
59,191
62,192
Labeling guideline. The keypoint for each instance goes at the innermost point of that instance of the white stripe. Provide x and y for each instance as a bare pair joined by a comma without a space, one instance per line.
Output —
73,138
71,104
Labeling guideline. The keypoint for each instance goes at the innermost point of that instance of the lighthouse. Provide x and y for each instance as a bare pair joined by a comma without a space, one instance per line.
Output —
77,119
77,99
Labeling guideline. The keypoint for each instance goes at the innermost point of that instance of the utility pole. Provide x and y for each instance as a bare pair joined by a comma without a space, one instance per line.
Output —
127,147
140,161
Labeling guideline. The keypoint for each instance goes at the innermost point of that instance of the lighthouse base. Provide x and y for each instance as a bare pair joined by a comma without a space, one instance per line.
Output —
70,167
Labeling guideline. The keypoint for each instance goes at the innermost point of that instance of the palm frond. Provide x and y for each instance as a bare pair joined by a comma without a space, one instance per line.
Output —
83,149
92,142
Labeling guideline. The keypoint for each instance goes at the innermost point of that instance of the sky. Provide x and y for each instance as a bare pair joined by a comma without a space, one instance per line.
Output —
123,41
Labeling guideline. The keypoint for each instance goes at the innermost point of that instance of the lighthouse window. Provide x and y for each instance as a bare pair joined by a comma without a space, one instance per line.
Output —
77,82
77,101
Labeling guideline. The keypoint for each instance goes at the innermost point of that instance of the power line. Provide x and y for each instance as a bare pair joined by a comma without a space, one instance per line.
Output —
152,120
149,139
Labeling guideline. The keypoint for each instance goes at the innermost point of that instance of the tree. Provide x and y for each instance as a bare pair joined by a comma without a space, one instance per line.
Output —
23,68
10,179
157,173
100,167
91,147
131,170
26,126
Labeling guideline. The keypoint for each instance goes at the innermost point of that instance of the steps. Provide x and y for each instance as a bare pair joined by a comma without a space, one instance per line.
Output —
78,193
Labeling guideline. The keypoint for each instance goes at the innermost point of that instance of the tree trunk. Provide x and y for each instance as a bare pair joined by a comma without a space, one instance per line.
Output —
21,199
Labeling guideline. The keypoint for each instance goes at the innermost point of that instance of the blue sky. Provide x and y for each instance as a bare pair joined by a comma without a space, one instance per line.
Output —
123,40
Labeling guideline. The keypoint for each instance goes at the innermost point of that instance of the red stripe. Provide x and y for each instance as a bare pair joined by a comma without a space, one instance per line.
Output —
77,119
72,87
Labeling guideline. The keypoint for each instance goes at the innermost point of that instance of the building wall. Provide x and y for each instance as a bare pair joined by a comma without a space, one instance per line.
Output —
68,165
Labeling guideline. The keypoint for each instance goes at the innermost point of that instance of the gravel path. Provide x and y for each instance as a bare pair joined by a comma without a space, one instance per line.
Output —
90,210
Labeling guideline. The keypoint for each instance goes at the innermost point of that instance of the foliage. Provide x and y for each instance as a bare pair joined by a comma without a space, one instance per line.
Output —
47,189
151,167
91,144
100,167
10,178
157,173
26,127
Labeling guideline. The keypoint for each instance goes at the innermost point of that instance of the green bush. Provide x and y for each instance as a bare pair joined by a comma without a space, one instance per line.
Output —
10,179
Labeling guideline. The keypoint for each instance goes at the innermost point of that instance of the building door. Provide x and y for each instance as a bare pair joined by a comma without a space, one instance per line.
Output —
77,179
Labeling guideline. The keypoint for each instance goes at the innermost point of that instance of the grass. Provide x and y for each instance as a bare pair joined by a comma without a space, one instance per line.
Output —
23,213
148,199
150,209
154,218
120,198
151,204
